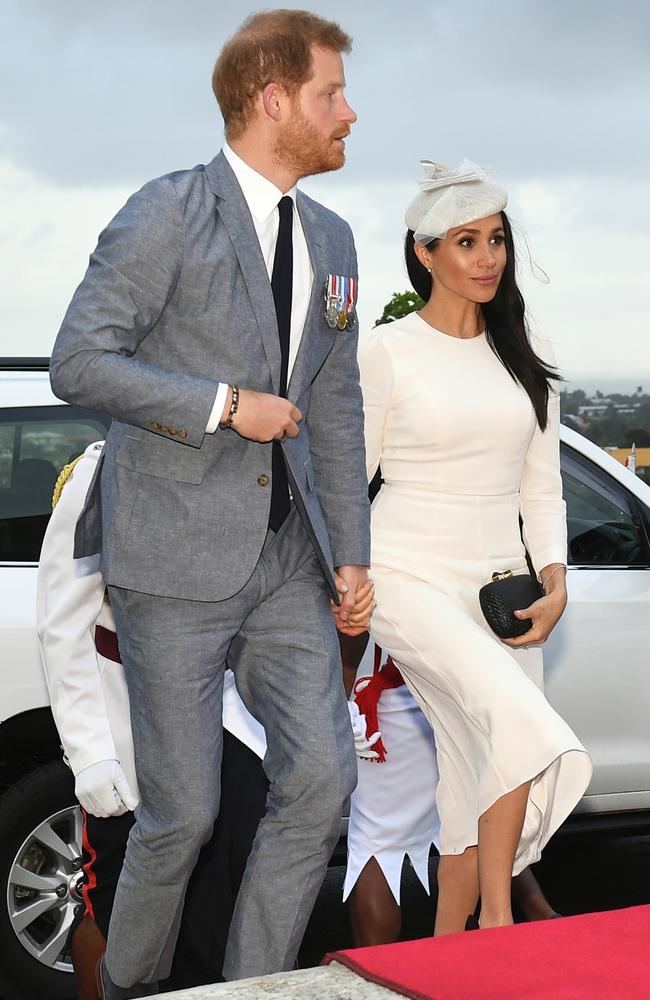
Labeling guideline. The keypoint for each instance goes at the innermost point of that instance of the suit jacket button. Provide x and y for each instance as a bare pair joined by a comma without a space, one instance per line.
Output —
155,426
181,433
263,480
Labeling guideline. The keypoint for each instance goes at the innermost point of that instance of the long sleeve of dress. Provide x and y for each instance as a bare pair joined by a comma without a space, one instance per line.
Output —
376,377
543,511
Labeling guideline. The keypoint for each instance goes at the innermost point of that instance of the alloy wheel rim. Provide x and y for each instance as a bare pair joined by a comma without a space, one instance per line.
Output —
44,888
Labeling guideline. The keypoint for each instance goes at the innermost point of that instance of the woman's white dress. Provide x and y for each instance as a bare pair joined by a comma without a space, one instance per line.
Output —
462,457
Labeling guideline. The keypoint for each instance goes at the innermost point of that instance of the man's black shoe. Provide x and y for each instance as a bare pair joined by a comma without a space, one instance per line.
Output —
107,989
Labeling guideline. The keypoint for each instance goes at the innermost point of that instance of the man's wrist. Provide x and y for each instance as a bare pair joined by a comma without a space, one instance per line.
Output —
217,408
230,407
226,405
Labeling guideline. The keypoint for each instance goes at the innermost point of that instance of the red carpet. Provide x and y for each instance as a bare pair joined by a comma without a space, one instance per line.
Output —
600,956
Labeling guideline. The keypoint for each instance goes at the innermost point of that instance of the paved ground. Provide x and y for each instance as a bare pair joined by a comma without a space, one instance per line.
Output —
334,982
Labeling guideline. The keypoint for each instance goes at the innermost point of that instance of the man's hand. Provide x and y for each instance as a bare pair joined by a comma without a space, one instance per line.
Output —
261,416
102,790
358,620
356,599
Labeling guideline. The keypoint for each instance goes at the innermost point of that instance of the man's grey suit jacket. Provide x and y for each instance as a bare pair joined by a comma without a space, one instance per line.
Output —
177,299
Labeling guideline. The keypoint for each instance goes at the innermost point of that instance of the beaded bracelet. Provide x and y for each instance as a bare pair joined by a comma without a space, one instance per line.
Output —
234,406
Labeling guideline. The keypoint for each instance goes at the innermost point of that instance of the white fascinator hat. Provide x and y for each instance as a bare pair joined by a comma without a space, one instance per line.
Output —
451,198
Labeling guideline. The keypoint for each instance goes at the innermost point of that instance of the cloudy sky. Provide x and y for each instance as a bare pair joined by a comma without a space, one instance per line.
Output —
552,95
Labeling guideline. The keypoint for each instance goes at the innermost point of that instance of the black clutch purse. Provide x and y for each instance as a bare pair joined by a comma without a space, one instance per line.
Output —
503,596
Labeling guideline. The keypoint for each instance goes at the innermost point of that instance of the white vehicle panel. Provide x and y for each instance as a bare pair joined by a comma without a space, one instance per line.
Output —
26,389
22,685
597,678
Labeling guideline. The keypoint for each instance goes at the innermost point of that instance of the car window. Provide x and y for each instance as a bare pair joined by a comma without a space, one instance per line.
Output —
35,443
6,454
604,525
644,473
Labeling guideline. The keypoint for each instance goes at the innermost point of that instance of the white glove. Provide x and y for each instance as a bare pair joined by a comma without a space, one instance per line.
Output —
103,790
362,744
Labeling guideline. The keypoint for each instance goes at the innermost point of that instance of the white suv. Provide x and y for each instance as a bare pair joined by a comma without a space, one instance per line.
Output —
596,667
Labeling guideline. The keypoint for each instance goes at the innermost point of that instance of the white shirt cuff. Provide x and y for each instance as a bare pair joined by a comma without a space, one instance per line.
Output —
217,408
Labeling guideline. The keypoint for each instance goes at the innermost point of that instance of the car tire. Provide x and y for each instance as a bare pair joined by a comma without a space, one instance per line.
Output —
40,883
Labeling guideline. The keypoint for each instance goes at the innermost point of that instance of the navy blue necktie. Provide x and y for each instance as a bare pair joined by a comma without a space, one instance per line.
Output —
282,286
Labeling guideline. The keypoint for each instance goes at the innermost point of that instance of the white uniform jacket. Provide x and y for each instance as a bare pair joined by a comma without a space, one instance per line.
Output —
88,692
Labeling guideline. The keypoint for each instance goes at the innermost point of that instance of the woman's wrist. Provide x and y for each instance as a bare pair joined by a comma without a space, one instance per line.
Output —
553,579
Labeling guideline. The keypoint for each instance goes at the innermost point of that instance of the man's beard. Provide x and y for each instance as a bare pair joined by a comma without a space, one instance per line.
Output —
306,151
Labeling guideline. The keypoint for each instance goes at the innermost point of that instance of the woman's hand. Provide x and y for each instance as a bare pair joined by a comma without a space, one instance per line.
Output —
359,616
546,612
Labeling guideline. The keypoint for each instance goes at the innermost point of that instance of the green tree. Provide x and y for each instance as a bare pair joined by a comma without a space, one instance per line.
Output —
571,400
639,435
401,304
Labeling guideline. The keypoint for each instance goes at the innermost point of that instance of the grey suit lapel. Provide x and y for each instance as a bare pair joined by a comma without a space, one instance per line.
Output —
236,217
317,339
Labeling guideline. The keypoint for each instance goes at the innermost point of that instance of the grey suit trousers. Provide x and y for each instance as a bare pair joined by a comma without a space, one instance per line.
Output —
278,636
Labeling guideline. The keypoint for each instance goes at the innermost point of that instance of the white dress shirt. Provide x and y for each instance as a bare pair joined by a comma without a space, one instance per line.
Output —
262,198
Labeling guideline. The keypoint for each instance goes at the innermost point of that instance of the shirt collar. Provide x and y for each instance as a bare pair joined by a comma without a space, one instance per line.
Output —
262,196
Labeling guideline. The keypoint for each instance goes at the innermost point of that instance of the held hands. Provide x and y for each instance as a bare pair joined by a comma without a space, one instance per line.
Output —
263,417
356,600
547,611
362,744
103,790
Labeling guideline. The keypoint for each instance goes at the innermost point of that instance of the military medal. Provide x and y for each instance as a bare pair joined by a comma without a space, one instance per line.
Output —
333,301
340,293
331,312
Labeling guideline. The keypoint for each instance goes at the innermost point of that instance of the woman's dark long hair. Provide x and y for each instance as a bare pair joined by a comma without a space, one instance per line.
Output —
505,323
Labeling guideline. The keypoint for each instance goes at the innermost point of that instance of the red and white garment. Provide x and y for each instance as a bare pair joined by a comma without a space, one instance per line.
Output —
393,809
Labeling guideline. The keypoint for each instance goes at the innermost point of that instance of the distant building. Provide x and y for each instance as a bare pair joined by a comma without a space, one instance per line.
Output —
600,407
593,409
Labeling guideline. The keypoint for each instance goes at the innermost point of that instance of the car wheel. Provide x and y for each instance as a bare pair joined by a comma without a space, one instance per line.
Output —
40,883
